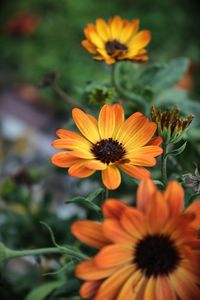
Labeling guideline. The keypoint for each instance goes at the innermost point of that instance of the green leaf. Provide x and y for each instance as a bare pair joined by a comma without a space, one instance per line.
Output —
83,202
92,196
88,202
158,182
192,199
177,151
170,74
44,290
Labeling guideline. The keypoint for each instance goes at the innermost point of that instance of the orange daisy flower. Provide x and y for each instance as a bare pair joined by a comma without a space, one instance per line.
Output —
151,252
116,40
108,143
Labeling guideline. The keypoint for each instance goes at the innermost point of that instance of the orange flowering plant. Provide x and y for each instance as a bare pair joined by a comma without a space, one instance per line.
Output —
147,249
148,252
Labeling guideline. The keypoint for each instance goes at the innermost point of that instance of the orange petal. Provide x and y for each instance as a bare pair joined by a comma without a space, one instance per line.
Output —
113,208
89,288
135,172
157,213
64,159
90,233
79,170
146,150
112,286
194,210
145,194
72,144
149,293
119,117
96,165
142,160
81,153
87,270
111,177
106,122
156,141
174,197
133,222
93,120
141,137
163,289
89,46
85,125
130,127
184,287
115,233
127,292
90,27
114,256
64,134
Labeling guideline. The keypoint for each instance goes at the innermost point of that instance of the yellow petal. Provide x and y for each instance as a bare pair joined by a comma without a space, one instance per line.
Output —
102,29
139,41
115,27
96,39
129,31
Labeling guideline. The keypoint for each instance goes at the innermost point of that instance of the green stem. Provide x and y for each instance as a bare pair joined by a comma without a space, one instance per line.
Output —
164,164
115,79
65,96
61,250
106,193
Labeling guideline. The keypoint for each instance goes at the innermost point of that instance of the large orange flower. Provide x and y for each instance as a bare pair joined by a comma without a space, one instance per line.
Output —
151,252
117,40
108,143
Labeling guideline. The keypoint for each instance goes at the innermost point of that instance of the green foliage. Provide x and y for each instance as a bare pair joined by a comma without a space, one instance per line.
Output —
44,290
88,202
176,151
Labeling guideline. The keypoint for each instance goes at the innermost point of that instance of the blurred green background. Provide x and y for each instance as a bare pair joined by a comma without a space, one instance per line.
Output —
55,44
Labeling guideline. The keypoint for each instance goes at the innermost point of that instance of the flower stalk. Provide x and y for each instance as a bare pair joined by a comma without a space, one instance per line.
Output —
115,79
164,163
10,253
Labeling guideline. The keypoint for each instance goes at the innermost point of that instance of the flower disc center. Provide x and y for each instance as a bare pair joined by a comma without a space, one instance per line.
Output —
108,150
156,255
114,48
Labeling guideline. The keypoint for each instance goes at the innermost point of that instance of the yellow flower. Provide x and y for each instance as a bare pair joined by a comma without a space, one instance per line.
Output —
108,143
116,40
150,252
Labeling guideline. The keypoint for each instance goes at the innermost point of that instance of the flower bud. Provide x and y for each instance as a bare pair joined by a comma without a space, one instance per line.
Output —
171,126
